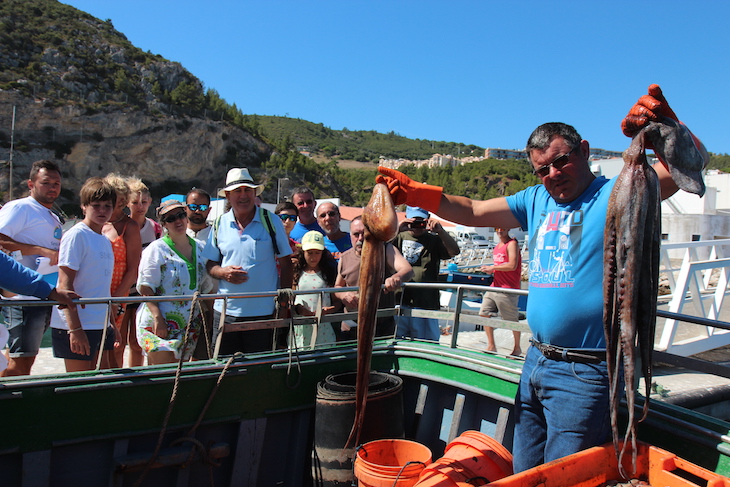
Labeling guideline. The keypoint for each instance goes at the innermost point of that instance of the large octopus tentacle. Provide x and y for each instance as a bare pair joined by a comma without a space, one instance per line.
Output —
630,277
381,225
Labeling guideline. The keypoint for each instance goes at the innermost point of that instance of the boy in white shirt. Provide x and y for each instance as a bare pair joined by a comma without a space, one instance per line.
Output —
86,262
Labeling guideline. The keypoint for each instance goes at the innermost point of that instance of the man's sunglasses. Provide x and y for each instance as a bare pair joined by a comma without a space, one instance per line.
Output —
559,163
194,207
331,213
291,218
173,218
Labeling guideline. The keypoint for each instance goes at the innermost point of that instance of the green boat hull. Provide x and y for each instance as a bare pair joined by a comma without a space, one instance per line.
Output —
256,427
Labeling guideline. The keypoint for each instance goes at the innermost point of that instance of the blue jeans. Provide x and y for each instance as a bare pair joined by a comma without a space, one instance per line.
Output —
560,409
26,326
421,328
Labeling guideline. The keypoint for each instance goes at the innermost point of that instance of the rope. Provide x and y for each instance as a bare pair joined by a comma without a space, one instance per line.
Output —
202,453
173,397
107,321
284,299
293,348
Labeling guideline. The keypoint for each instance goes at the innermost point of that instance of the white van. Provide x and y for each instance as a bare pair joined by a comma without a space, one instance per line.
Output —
474,239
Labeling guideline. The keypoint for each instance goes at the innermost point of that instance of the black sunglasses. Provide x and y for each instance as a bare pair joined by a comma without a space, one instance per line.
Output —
330,214
173,218
559,163
194,207
284,217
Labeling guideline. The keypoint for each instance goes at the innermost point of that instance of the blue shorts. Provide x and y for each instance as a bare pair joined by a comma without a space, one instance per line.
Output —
26,326
62,345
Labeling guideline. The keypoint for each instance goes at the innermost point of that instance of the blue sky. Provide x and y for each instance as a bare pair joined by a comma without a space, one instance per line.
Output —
479,72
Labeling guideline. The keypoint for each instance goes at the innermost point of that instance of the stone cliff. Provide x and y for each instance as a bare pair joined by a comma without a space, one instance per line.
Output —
171,154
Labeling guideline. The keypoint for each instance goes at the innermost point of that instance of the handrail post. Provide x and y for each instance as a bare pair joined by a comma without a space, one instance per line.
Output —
221,327
457,313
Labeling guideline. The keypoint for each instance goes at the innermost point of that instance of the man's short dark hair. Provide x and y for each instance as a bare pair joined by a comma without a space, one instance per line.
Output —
42,164
541,137
198,191
301,190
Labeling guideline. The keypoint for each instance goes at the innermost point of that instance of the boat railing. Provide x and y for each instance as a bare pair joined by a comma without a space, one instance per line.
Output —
458,315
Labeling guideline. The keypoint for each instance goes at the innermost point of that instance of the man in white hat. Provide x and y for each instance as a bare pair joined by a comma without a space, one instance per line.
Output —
242,251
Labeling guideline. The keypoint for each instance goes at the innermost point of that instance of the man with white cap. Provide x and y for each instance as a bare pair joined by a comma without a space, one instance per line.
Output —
242,251
424,243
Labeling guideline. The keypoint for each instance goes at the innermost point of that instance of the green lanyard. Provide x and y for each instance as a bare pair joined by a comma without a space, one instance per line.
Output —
191,265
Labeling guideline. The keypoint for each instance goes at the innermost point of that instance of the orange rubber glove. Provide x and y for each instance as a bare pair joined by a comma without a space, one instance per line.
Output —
648,108
405,190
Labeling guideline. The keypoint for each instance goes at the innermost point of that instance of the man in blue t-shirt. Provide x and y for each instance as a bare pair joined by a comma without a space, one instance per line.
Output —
303,199
562,405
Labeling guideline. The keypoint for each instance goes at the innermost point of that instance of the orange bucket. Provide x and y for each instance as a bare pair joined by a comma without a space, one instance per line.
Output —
480,454
443,473
390,463
472,458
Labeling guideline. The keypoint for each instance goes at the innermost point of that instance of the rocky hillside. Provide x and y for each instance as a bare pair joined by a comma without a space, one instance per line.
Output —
171,154
88,99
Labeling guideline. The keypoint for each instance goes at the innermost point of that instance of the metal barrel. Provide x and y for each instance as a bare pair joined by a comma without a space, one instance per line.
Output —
332,464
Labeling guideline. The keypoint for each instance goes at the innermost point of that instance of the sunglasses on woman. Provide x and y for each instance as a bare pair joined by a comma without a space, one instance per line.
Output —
173,218
291,218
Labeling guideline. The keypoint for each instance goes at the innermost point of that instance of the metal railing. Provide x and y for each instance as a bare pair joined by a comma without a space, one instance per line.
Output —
458,315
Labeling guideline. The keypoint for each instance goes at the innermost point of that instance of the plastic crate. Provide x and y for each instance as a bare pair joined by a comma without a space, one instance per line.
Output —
598,466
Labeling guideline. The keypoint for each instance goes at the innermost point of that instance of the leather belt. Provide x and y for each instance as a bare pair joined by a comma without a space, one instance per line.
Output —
580,356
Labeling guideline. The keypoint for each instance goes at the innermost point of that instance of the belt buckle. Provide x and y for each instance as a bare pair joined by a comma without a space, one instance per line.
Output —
555,354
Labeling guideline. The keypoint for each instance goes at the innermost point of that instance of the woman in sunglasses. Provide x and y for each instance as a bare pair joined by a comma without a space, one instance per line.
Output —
288,213
171,265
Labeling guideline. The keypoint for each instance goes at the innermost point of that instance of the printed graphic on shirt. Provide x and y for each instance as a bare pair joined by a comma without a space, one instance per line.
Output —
556,247
412,251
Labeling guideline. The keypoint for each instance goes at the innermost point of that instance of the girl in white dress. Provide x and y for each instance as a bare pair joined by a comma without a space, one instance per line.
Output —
315,269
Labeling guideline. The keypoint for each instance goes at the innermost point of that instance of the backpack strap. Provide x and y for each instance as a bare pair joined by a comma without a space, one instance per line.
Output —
266,219
216,224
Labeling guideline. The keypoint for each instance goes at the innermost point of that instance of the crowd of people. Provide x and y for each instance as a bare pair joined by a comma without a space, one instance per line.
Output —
116,250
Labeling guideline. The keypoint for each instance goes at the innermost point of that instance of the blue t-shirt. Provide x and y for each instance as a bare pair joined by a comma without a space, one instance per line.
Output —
338,246
17,278
253,250
566,264
300,229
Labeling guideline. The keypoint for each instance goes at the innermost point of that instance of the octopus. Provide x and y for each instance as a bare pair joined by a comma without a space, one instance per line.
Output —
631,262
381,225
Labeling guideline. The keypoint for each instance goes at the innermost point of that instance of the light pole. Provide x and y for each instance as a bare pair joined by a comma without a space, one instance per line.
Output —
278,189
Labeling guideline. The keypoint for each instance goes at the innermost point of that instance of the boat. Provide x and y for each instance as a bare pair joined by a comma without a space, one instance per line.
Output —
250,420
